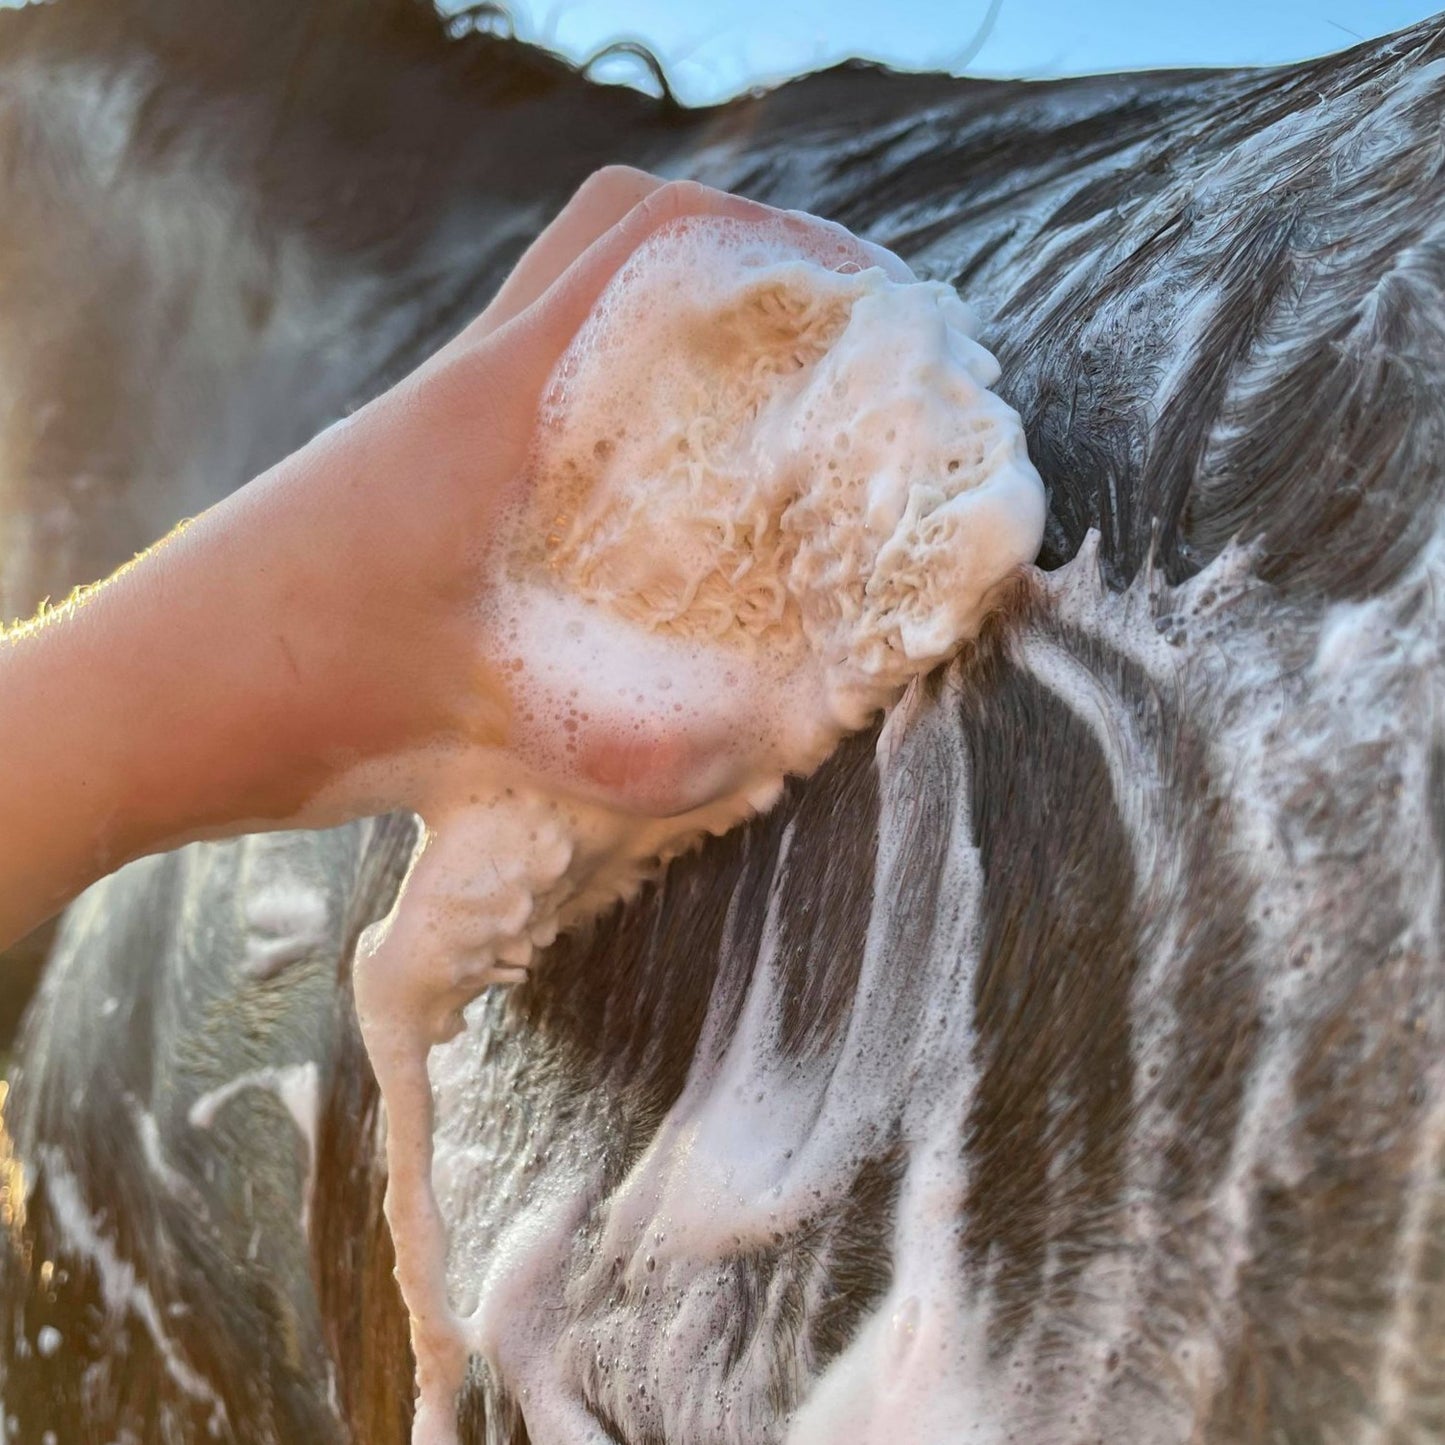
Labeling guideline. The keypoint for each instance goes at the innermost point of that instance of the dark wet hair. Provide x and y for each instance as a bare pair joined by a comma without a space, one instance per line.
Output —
1190,767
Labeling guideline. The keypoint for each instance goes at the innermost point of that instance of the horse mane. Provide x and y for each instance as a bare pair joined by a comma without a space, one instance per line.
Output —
1121,935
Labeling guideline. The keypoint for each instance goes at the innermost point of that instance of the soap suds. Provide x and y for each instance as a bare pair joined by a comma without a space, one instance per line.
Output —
285,923
298,1089
121,1288
798,463
764,496
295,1085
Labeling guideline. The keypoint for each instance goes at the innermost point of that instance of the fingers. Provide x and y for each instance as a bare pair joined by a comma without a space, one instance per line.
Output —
537,336
496,369
553,321
601,201
814,232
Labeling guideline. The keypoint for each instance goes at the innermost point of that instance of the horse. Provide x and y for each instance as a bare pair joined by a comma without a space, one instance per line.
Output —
1060,1063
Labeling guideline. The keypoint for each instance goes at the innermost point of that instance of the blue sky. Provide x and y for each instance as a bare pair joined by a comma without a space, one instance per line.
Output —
713,48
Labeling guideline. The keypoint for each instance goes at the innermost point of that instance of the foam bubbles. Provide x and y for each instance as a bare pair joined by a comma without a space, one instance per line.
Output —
794,463
764,495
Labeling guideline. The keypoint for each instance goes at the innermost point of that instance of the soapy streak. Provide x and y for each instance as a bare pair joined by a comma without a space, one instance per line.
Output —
794,496
1151,282
120,1287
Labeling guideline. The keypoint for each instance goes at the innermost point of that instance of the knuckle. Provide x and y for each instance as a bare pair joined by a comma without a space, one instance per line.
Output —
616,180
686,196
675,199
621,175
605,179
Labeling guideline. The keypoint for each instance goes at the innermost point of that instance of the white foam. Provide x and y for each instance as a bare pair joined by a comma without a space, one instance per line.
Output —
298,1089
764,496
284,923
797,464
121,1288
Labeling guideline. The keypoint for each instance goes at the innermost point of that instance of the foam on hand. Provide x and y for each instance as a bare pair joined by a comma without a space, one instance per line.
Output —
796,463
765,495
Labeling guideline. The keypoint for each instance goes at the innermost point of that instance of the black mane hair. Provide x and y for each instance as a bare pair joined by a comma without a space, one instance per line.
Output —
1127,927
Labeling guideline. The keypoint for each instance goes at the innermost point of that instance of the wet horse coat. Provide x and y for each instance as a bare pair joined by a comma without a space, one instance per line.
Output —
1068,1055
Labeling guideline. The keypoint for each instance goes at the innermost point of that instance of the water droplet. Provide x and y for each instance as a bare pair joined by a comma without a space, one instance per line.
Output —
1171,628
904,1329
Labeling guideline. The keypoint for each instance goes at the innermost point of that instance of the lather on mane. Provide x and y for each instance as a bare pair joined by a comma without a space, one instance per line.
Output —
1084,1029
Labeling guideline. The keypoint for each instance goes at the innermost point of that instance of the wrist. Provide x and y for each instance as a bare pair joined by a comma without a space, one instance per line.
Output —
335,636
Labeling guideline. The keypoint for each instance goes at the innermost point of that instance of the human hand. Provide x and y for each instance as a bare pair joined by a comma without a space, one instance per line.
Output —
655,611
275,661
412,492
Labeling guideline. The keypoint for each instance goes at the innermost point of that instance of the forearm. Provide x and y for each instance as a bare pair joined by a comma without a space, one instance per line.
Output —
327,615
128,721
216,685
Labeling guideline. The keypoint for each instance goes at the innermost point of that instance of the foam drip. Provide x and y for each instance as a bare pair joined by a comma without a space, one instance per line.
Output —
764,496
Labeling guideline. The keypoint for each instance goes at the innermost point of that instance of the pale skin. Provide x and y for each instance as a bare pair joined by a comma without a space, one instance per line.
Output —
325,615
